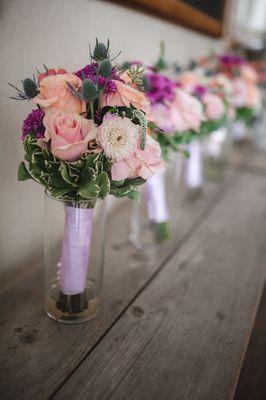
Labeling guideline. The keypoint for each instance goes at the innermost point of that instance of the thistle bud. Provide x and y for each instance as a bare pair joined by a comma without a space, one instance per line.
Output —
89,90
105,68
100,51
30,88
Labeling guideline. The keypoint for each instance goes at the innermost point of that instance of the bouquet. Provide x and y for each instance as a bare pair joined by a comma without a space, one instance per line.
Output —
86,138
245,97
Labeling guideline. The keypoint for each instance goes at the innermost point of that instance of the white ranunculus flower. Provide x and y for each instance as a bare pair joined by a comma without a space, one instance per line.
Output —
119,137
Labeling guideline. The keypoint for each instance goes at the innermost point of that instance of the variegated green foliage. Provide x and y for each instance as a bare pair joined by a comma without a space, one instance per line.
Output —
140,116
84,180
127,187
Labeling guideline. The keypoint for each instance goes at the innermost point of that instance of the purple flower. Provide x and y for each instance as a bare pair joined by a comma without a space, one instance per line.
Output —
108,84
199,90
231,60
90,72
33,124
160,88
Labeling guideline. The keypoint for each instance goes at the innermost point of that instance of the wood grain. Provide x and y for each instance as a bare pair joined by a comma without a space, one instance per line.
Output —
251,384
38,354
246,158
179,12
185,336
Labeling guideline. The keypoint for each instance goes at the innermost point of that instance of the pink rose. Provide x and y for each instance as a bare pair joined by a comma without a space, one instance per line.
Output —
126,95
186,112
240,90
69,134
142,163
163,116
55,93
214,106
245,94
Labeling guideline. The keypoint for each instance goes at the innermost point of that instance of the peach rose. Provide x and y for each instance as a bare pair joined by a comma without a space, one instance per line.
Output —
69,134
253,96
55,94
222,82
126,95
249,73
143,163
214,106
189,80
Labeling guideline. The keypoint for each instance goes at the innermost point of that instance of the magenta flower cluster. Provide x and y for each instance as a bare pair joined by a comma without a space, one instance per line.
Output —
231,60
33,124
199,90
90,72
160,88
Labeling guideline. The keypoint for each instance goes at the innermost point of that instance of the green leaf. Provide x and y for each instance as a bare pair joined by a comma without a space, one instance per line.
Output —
89,191
104,184
118,183
133,195
27,157
23,173
66,176
36,173
59,193
77,164
87,176
48,155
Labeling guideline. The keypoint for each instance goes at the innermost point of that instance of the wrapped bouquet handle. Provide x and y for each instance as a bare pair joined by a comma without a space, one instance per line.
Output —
73,266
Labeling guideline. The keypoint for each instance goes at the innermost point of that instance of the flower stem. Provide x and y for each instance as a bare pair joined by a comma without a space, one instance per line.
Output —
91,110
72,304
162,231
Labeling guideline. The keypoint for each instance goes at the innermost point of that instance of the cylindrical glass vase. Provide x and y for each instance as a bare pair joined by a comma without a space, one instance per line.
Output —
149,218
217,148
241,132
193,169
73,259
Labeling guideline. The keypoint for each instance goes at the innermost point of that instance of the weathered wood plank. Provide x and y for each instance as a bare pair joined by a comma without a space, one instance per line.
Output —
246,157
38,354
251,384
185,336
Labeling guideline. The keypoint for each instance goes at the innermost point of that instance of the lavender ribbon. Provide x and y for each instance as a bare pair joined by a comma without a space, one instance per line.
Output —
156,201
239,130
194,166
74,261
215,142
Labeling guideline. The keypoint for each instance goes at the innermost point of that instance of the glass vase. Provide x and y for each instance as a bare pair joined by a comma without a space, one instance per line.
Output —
217,149
240,131
193,169
73,259
149,217
175,187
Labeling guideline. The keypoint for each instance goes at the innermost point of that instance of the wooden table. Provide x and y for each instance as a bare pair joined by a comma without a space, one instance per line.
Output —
175,321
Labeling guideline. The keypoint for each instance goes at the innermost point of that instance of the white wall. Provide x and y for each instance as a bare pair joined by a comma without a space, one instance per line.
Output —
57,33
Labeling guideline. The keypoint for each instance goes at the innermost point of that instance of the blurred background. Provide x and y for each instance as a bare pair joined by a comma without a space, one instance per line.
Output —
57,33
